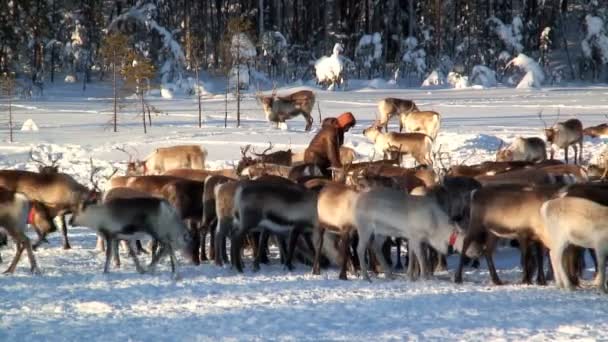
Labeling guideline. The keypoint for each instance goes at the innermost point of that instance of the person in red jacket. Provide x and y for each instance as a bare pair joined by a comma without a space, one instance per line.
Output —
324,148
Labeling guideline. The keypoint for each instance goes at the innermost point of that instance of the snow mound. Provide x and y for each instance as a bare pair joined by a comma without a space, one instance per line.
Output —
93,308
29,126
483,76
70,79
166,93
534,73
436,78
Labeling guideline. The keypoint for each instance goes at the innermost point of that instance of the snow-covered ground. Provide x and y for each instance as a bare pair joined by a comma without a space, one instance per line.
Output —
73,300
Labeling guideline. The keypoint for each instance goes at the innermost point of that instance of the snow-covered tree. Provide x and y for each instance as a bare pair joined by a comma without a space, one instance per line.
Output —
368,54
330,70
534,75
595,44
414,58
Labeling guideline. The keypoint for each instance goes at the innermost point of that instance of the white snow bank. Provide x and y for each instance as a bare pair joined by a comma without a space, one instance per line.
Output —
29,126
435,78
166,93
534,73
483,76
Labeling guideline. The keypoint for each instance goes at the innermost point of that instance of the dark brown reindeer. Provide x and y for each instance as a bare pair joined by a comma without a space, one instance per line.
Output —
60,193
283,158
563,135
508,211
278,109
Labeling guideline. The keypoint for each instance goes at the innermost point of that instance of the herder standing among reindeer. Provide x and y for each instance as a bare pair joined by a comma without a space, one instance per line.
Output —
324,148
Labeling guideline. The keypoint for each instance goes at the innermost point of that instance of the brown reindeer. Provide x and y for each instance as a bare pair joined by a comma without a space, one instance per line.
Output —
167,158
418,145
508,211
565,134
599,131
278,109
60,193
390,107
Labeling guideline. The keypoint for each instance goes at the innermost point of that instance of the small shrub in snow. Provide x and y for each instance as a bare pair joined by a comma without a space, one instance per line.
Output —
483,76
534,76
330,70
435,78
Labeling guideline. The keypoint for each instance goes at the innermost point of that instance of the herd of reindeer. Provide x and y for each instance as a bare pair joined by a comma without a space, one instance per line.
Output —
352,219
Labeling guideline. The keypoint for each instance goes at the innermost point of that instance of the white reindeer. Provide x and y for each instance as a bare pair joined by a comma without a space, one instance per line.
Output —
578,221
419,219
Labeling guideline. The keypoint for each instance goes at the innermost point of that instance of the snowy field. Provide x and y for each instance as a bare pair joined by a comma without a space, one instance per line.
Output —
73,300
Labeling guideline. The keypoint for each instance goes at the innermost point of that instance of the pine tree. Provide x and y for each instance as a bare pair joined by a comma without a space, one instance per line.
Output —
115,50
139,71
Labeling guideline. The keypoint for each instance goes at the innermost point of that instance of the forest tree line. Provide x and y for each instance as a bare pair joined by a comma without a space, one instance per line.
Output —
279,40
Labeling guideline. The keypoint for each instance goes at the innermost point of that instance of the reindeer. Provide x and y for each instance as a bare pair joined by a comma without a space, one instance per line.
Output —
224,211
133,218
508,211
209,219
276,206
347,156
427,122
523,149
599,131
167,158
418,145
565,134
15,212
60,193
283,158
280,109
420,219
577,221
390,107
335,208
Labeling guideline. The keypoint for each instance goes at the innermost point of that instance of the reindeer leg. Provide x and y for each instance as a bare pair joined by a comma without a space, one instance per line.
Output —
211,228
115,252
525,256
465,246
30,255
316,268
344,250
64,233
294,233
11,268
174,265
490,246
100,244
261,245
109,247
235,250
540,275
580,153
196,243
364,237
566,154
133,256
398,265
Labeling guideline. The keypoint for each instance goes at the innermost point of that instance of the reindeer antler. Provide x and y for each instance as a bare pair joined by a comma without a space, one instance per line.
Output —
540,116
265,151
94,171
245,150
55,160
34,159
122,149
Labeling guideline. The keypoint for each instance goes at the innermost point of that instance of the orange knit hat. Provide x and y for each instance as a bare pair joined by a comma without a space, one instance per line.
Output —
346,119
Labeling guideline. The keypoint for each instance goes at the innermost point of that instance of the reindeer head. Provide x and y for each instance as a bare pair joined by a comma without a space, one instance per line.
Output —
134,167
245,160
44,167
373,131
550,132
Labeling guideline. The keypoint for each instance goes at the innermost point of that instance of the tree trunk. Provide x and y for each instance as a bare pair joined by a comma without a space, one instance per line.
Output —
143,109
198,95
115,96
